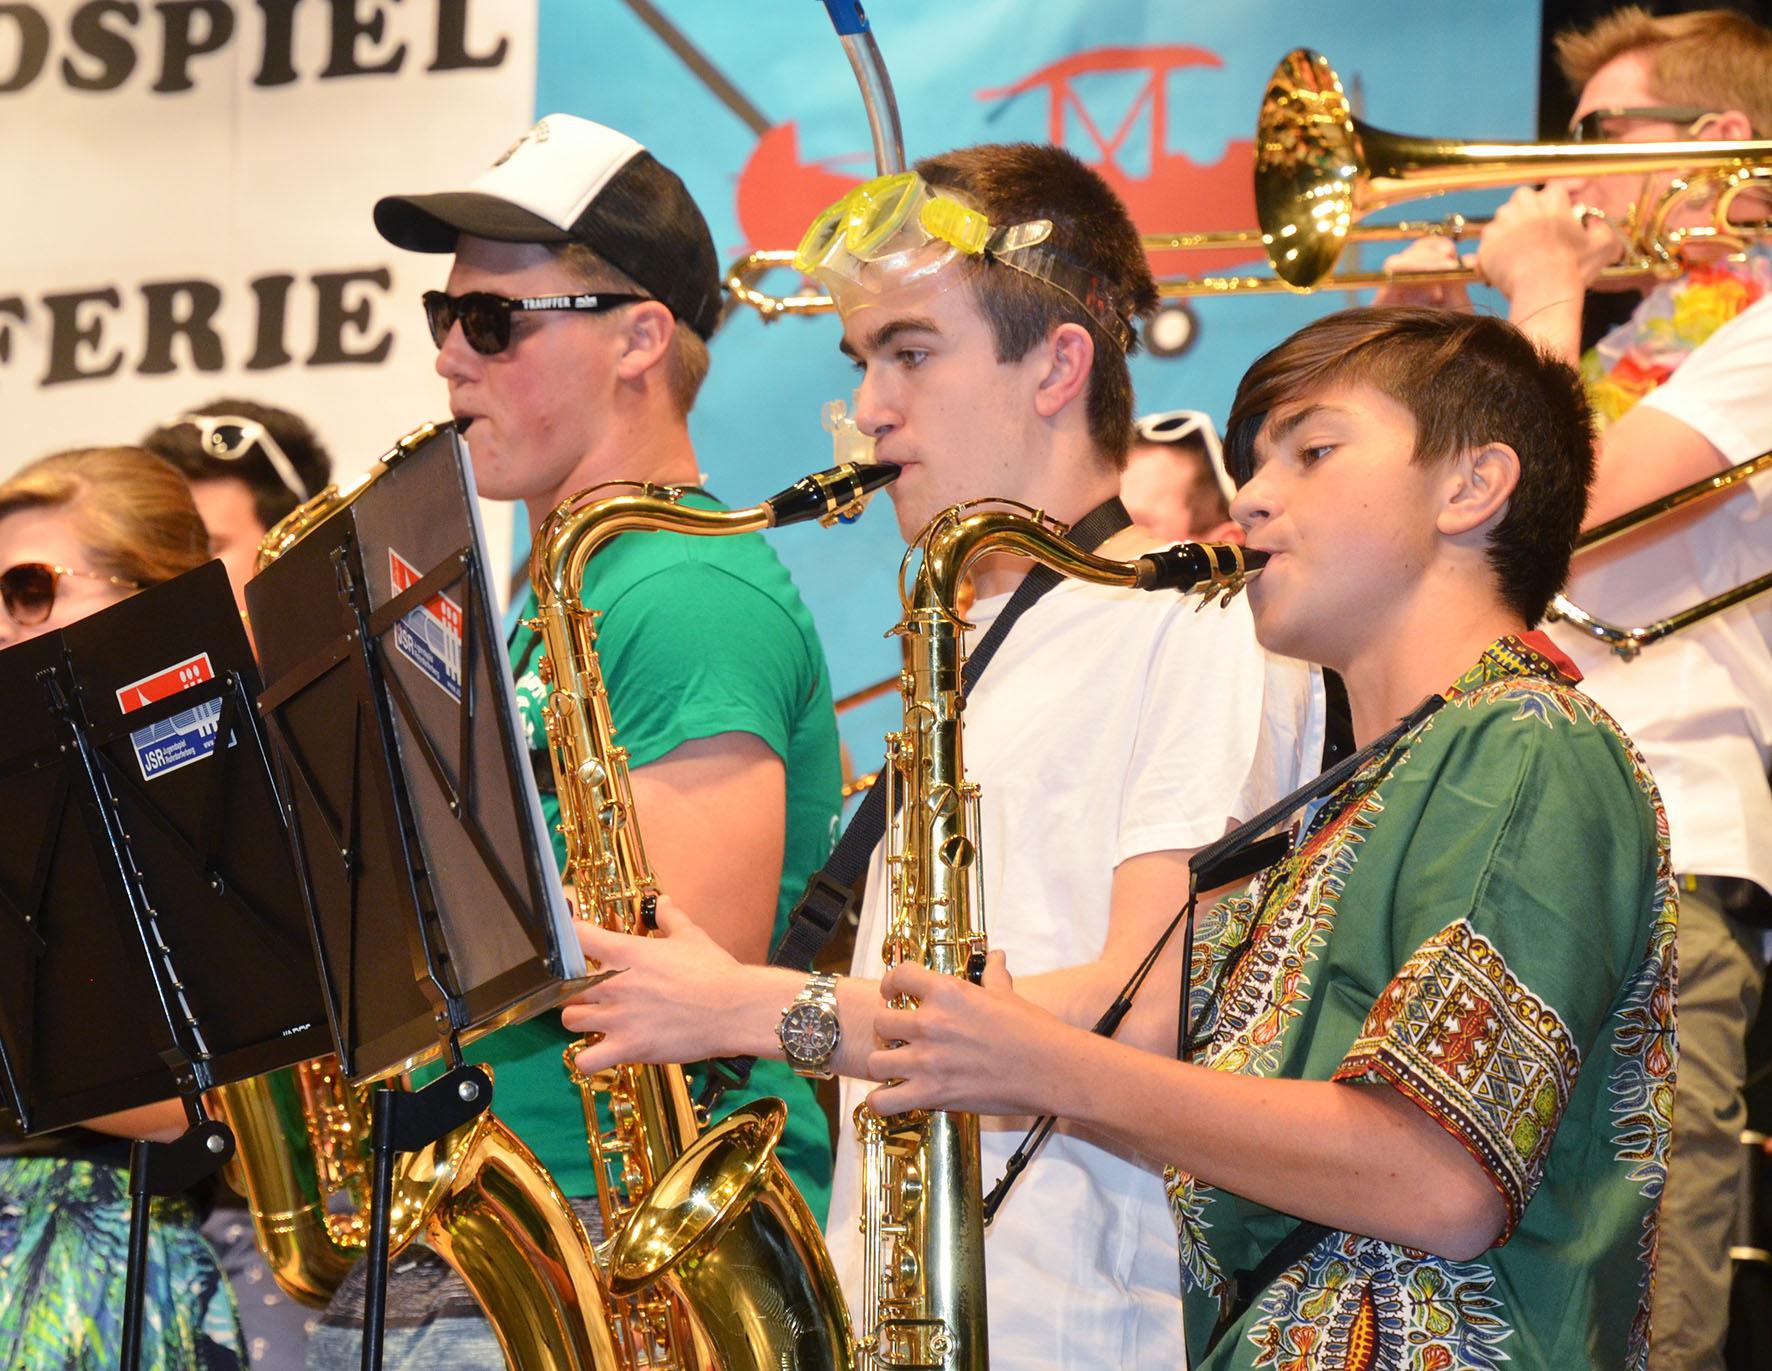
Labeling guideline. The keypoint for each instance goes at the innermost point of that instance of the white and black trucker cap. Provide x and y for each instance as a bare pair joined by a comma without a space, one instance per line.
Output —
570,180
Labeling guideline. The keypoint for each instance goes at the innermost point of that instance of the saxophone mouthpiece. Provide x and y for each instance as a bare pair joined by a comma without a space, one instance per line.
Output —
833,495
1210,568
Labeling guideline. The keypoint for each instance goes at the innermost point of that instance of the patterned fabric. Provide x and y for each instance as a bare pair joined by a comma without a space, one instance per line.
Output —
64,1251
1456,1026
1472,919
1673,320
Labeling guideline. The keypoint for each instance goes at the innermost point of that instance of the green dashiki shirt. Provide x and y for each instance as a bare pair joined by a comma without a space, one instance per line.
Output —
1474,918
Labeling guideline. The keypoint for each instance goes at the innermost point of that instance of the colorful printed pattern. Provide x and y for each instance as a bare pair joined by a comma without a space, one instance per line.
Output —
1357,1305
1672,320
1459,1034
1268,987
64,1248
1482,1047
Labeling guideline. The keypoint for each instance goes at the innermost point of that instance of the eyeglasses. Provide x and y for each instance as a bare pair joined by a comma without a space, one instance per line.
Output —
486,318
1175,425
28,589
1591,127
228,438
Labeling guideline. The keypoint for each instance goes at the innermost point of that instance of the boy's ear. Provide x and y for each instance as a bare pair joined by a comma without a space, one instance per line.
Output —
646,338
1480,482
1069,353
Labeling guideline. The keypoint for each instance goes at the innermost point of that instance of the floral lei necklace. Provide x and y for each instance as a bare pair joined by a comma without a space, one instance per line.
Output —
1672,320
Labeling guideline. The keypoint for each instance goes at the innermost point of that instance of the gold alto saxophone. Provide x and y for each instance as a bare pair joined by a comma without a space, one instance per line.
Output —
767,1298
923,1300
923,1296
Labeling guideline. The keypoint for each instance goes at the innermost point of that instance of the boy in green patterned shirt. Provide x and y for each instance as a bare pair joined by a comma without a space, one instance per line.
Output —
1435,1040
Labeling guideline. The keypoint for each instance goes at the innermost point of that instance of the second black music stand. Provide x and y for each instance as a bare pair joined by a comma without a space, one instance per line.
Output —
153,941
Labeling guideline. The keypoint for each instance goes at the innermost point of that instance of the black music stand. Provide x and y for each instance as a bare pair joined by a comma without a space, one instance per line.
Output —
438,911
149,916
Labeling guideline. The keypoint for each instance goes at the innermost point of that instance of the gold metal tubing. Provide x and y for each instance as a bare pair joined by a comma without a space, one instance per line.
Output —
1628,641
741,282
1702,489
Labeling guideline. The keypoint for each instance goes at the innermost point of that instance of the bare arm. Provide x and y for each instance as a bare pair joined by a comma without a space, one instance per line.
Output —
714,814
161,1121
1643,456
1355,1157
680,998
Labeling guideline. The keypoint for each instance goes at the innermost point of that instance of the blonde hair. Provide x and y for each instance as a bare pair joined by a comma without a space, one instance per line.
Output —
687,366
1709,59
131,510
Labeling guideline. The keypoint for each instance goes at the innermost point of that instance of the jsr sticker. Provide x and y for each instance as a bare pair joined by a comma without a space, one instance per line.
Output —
428,636
184,738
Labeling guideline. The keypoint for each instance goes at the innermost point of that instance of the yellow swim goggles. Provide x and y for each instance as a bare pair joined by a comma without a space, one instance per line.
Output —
897,230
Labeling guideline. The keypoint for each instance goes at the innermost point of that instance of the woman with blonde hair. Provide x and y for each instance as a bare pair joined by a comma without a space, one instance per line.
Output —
80,531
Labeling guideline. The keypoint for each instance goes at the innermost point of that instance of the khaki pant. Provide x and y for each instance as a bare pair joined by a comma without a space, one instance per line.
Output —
1721,967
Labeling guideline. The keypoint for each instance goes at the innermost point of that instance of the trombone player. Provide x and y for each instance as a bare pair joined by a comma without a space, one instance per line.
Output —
1682,390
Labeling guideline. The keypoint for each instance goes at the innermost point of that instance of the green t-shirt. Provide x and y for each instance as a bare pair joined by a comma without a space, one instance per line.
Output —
698,636
1484,919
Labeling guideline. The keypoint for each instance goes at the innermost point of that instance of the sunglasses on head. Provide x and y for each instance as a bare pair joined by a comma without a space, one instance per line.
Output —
28,589
485,318
1176,425
228,438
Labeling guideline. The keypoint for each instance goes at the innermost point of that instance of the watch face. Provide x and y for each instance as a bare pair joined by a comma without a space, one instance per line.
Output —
809,1032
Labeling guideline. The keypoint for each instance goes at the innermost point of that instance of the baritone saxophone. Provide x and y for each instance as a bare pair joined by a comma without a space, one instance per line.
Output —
303,1132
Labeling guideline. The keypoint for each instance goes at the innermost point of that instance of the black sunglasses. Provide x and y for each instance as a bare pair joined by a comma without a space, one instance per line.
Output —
28,589
1592,126
486,318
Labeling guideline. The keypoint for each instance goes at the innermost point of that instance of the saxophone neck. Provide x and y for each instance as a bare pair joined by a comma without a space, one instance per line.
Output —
299,522
572,534
954,540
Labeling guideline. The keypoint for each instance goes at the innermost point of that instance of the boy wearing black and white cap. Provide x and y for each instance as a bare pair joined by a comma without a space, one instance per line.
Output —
572,334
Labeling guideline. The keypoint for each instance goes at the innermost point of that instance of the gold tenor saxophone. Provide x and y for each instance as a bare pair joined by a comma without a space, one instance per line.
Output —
923,1299
767,1298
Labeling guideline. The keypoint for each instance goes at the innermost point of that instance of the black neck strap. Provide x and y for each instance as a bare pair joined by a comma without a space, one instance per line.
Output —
1246,849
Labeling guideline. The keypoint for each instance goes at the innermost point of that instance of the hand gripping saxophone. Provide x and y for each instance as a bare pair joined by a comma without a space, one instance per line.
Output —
759,1294
923,1296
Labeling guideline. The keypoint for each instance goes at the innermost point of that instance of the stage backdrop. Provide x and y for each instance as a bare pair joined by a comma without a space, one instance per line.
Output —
188,188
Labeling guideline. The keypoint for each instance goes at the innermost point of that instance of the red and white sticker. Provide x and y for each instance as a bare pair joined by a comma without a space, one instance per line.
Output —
184,738
428,636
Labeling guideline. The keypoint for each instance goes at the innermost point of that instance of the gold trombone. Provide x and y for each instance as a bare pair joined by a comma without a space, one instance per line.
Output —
1627,642
1319,170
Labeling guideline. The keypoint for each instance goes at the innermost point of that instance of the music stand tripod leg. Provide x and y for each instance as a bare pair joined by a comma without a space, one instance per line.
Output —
162,1169
406,1121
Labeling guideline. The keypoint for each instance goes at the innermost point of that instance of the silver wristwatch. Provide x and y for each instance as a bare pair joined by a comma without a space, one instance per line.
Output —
808,1030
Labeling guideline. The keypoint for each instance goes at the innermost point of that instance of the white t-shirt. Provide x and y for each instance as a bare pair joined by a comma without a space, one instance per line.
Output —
1699,703
1112,723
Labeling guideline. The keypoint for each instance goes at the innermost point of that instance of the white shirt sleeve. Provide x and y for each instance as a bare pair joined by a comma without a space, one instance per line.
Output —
1225,729
1723,391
